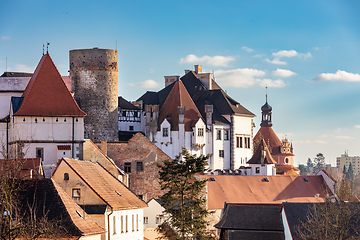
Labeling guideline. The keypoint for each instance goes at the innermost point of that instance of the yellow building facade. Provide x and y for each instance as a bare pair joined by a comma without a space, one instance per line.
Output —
345,160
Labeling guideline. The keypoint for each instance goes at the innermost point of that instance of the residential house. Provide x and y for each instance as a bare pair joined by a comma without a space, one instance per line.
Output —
44,121
138,157
194,112
153,217
23,168
107,200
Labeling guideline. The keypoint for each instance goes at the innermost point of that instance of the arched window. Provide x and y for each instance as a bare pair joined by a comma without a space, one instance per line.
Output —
66,176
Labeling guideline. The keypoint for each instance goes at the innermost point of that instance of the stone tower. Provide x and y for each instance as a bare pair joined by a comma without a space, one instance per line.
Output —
94,80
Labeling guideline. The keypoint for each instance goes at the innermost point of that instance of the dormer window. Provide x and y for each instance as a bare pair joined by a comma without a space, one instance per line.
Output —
165,132
200,132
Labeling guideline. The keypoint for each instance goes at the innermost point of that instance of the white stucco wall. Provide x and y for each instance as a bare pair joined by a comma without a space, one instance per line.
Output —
287,231
133,231
154,210
242,127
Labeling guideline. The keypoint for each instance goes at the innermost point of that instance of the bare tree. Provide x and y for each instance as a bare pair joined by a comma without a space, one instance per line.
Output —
336,218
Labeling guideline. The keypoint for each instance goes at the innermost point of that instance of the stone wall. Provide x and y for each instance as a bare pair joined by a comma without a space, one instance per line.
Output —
94,80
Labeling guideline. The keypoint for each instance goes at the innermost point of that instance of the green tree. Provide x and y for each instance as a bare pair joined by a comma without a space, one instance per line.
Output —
184,199
303,169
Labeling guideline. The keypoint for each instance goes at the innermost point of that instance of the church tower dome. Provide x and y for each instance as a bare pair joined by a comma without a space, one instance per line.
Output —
266,115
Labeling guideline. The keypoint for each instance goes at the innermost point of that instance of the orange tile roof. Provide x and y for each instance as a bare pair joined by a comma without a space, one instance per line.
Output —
270,137
286,168
24,168
85,224
256,158
253,189
46,93
179,97
113,192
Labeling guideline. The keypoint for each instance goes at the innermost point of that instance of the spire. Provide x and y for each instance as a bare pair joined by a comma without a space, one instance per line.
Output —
266,113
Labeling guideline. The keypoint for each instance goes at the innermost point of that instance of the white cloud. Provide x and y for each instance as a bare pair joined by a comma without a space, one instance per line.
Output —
149,84
245,77
24,68
5,37
249,50
339,76
357,126
286,54
283,73
218,61
344,137
276,61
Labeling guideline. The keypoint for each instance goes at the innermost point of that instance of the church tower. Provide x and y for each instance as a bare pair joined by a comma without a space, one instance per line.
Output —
266,115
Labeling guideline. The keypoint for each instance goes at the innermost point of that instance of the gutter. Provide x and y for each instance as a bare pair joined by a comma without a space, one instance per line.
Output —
109,223
73,137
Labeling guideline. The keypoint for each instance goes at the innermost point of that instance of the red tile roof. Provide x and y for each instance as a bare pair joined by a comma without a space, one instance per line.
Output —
85,224
113,192
253,189
46,93
179,97
270,137
23,168
286,168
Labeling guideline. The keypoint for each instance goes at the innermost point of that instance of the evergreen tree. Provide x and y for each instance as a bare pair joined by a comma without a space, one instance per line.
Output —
350,172
184,200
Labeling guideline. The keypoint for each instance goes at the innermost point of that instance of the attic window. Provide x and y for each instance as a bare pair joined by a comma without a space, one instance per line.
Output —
212,179
118,193
79,213
76,193
306,180
266,179
66,176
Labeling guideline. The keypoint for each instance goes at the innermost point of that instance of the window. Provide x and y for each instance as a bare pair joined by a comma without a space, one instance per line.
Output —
101,64
66,176
239,143
137,222
158,219
122,223
146,220
139,166
226,134
40,153
165,132
135,114
114,225
221,153
131,128
200,132
124,113
126,223
247,142
76,193
218,134
133,223
127,167
257,170
286,160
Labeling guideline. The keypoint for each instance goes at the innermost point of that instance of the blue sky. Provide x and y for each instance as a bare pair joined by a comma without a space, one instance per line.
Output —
306,52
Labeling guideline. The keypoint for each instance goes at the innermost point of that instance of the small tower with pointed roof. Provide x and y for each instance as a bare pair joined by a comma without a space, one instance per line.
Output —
266,114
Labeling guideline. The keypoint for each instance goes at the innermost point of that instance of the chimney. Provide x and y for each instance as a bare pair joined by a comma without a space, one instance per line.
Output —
181,111
170,79
198,69
103,147
209,111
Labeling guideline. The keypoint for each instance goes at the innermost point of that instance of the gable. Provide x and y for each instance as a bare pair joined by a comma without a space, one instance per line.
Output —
46,93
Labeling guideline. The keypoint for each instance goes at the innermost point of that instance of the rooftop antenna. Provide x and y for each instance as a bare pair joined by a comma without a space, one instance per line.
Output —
43,49
47,47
